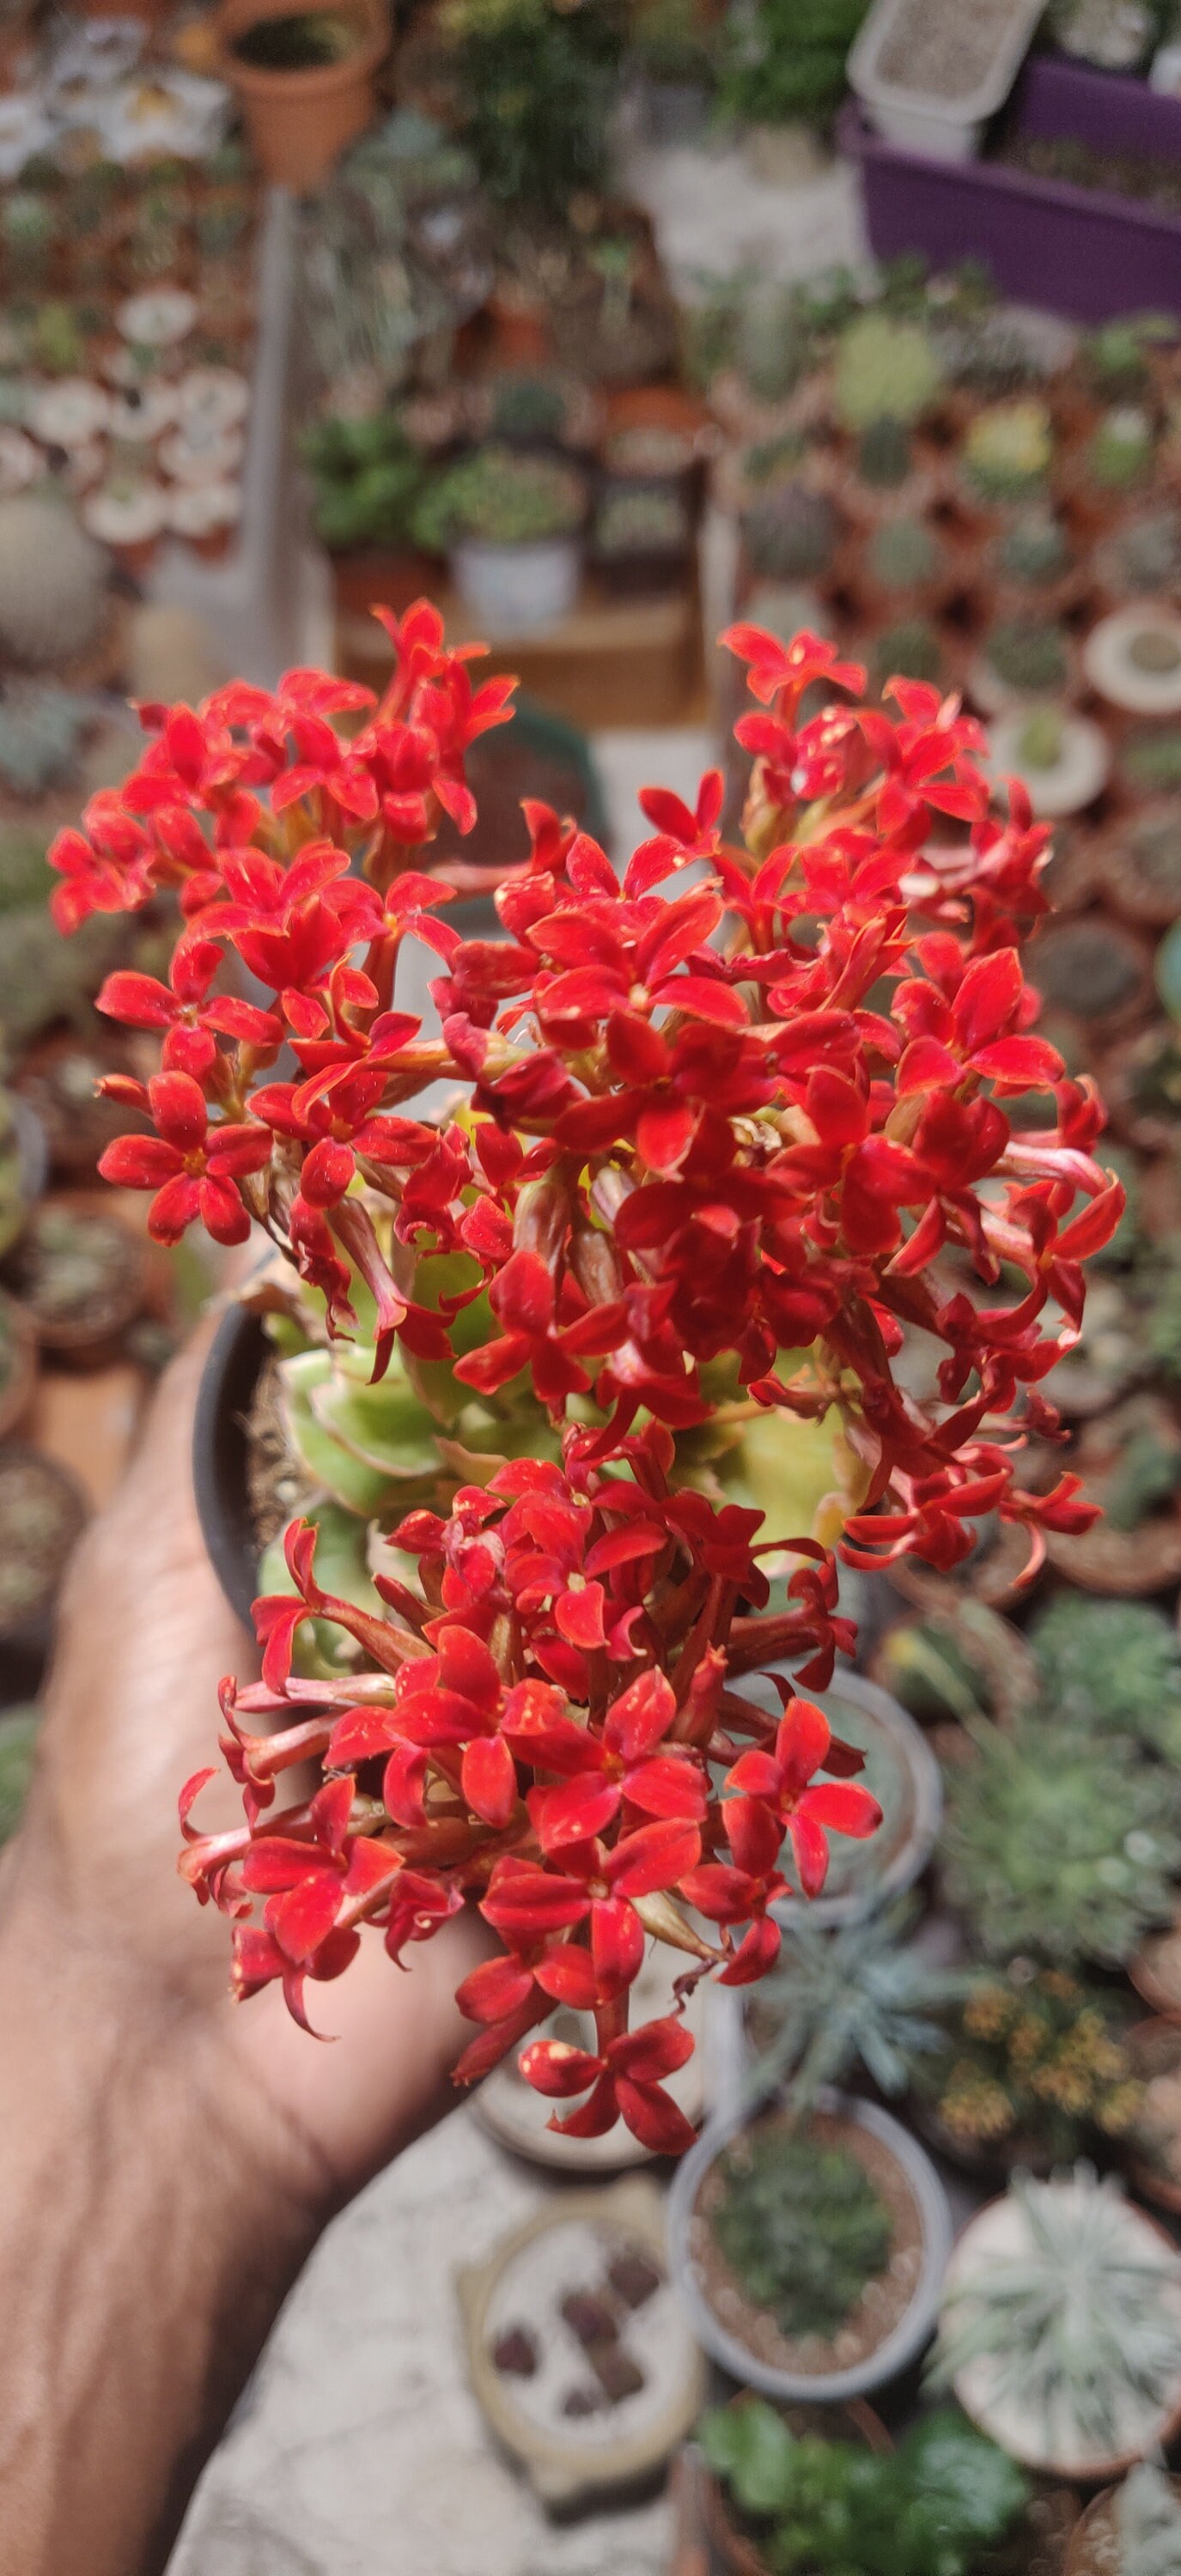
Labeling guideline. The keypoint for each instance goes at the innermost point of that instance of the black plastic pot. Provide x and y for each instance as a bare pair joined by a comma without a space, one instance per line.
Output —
231,1374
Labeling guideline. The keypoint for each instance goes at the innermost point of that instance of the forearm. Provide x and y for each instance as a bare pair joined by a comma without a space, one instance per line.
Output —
151,2227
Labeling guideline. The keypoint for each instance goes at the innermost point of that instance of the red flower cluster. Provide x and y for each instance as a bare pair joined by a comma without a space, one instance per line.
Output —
740,1132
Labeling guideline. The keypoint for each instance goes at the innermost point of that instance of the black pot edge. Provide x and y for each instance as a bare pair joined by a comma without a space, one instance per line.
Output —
228,1380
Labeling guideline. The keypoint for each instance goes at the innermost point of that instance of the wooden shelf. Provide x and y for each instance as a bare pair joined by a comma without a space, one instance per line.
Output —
611,662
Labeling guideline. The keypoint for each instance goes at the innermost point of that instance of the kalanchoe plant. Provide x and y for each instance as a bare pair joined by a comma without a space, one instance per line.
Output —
694,1157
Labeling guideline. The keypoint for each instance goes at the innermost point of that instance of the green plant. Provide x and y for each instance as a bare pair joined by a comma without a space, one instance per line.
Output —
1058,1843
1008,450
1146,555
861,1995
772,344
18,1745
1113,360
801,2227
1121,449
1029,2058
884,458
501,497
885,370
41,729
1027,655
903,555
1081,2325
535,84
789,61
670,42
911,649
791,533
367,479
525,406
1152,760
639,519
834,2509
1145,1475
1034,550
1043,737
1110,1666
28,230
53,583
1148,2523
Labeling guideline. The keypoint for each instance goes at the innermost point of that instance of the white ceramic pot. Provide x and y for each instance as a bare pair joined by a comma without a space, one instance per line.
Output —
518,590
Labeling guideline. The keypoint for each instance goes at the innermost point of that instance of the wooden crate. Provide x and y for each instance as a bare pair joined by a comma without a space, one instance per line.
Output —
612,662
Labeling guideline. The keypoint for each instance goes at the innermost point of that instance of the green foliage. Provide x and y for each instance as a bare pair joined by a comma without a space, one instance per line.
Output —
41,729
1029,2058
1110,1667
790,62
885,370
502,496
641,519
862,1995
1027,655
18,1744
834,2509
903,554
791,533
368,481
535,88
884,454
1033,550
910,650
1078,2324
1121,449
1008,450
1059,1844
801,2227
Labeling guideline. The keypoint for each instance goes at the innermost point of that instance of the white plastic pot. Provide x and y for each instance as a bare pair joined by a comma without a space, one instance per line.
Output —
939,128
518,590
1071,781
914,2328
1110,666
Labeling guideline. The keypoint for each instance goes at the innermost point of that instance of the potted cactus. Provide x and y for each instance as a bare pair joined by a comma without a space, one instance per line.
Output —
861,2000
1060,2329
1032,566
794,2500
1058,1846
1143,554
909,648
809,2246
303,79
1133,659
1021,657
511,526
1006,458
1130,2530
1110,1666
641,537
80,1277
1064,759
886,380
1142,1086
956,1663
791,533
367,479
1116,461
902,569
1093,972
1140,864
1148,760
1027,2069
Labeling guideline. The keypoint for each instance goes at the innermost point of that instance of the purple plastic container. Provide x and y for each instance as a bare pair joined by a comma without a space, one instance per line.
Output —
1079,251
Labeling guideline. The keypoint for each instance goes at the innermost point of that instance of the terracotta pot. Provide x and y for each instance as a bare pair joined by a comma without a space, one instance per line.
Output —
856,2422
1000,1652
1146,1970
17,1391
1155,2049
381,576
521,330
1094,2544
299,121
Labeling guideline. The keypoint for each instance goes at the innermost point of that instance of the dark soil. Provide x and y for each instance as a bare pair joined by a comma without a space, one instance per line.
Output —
1156,182
276,1485
303,41
883,2302
78,1277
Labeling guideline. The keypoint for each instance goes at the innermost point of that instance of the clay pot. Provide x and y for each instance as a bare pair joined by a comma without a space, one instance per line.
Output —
1154,1130
299,121
381,576
1155,2049
82,1337
734,2549
1155,1977
17,1389
1094,2544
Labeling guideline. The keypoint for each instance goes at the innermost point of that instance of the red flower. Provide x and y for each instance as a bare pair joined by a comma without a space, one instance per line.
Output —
192,1167
780,1779
626,2080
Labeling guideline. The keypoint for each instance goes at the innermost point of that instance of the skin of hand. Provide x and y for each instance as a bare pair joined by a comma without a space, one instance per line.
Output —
167,2158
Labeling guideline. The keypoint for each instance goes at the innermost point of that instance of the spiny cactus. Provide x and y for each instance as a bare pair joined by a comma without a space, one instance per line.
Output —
801,2227
1148,2523
53,583
1082,967
903,554
884,454
1120,451
911,650
791,533
641,520
1031,2059
526,406
41,729
1028,656
1059,1844
501,497
1008,450
1110,1667
771,343
885,370
1033,550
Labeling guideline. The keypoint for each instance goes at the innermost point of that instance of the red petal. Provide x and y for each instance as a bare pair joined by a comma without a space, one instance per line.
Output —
664,1133
756,1953
654,1857
657,2049
552,2066
489,1780
494,1989
525,1905
575,1812
802,1741
669,1787
811,1851
178,1108
653,2118
568,1974
846,1810
578,1616
640,1716
617,1943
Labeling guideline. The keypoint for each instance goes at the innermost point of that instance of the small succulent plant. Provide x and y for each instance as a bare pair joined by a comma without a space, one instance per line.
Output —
862,1995
1148,2523
885,370
1146,1474
28,229
641,519
801,2227
1120,451
1008,450
1033,550
500,497
1113,360
1059,1844
1028,655
827,2508
1043,738
772,345
367,480
41,729
791,533
1029,2060
903,555
1146,555
1110,1668
525,406
884,456
53,583
1081,2327
911,650
1085,968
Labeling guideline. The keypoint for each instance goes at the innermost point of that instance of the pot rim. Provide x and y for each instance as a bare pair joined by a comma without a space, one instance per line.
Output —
917,2323
219,1451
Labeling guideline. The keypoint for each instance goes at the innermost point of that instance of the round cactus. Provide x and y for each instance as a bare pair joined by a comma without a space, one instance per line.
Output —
1008,450
1028,656
1121,450
791,533
886,370
53,583
909,651
883,455
1034,550
903,555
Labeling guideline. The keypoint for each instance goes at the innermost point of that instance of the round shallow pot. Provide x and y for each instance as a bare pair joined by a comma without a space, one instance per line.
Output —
518,590
887,2149
298,121
220,1442
91,1335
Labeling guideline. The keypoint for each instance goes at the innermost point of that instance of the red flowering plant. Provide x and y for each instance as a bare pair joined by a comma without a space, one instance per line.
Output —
734,1123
